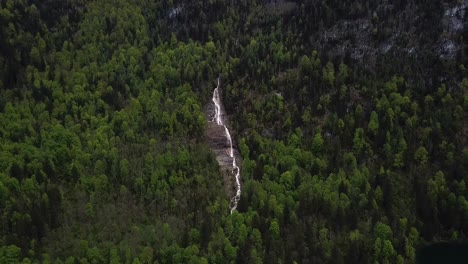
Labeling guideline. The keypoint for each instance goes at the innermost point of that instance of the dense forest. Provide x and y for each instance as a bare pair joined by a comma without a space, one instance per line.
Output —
350,118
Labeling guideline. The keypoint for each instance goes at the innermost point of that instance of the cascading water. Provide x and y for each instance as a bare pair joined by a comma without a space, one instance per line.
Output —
235,169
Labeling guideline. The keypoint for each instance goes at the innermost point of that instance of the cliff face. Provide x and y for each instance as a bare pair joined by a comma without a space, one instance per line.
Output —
383,35
220,145
405,32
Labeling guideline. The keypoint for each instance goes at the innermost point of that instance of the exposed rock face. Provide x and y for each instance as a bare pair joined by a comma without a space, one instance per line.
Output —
221,143
362,40
453,24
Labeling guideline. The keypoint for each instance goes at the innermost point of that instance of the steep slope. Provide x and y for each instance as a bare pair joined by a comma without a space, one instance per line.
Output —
221,142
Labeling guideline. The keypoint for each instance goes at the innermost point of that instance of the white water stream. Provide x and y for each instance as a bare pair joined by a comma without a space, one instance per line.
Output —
235,169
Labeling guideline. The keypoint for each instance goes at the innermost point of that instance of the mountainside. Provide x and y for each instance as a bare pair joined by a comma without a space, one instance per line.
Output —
430,34
345,122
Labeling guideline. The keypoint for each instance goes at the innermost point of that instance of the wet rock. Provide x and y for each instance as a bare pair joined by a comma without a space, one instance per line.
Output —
217,140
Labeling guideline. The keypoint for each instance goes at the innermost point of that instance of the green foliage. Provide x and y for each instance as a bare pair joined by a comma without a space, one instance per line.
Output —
318,144
373,123
329,73
103,110
421,155
274,229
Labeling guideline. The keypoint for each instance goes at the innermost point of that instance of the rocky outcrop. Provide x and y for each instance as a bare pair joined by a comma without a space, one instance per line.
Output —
363,39
221,143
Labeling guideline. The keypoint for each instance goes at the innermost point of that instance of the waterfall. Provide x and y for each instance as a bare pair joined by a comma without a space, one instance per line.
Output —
235,169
